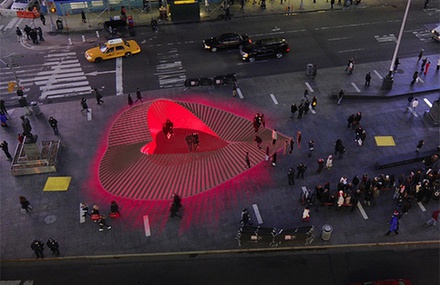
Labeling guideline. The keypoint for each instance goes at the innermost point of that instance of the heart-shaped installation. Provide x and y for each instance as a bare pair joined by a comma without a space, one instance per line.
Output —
163,147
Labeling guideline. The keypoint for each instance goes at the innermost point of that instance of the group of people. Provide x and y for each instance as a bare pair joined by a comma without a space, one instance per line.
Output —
38,247
305,106
258,121
192,140
34,34
98,217
168,129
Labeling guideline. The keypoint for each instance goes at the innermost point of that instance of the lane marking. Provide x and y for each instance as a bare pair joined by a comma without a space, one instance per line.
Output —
82,218
309,87
11,23
361,209
119,87
421,80
257,214
378,74
421,206
355,87
274,99
147,226
239,93
426,100
89,114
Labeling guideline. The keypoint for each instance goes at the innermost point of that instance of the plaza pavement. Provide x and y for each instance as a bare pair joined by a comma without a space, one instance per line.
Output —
211,220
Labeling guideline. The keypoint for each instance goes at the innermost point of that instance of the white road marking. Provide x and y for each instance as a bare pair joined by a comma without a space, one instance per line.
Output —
11,23
147,226
89,114
421,80
378,74
351,50
355,87
119,87
239,93
82,218
361,209
309,87
94,73
421,206
426,100
257,214
274,99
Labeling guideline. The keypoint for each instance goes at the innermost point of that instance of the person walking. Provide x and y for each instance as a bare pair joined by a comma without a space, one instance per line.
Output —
27,30
410,99
130,100
291,144
434,218
367,79
98,96
25,205
293,109
321,162
291,176
298,139
419,145
138,96
394,224
350,120
438,65
424,61
34,36
4,146
227,13
245,218
415,77
301,168
102,222
38,246
40,34
267,153
420,55
414,104
53,246
396,64
247,160
311,144
428,64
286,146
274,136
19,34
258,140
234,90
174,209
83,16
332,2
274,158
306,215
54,124
114,209
3,120
314,71
329,162
339,148
43,19
314,102
84,105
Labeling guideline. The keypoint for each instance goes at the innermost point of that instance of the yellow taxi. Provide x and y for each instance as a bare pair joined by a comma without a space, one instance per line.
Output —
112,49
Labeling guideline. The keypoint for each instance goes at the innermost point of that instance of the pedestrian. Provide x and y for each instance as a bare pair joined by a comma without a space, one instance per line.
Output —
415,77
27,30
350,66
357,118
321,162
293,109
174,209
130,100
83,16
20,138
314,71
329,162
40,34
426,4
234,89
245,218
103,223
138,96
424,61
274,136
414,104
291,144
410,99
54,124
95,215
38,246
340,96
362,137
311,144
301,168
434,218
438,65
123,12
286,146
314,102
332,2
114,210
300,110
242,5
306,106
306,214
43,19
367,79
25,205
291,176
19,34
396,64
258,140
350,120
394,224
34,36
420,55
267,153
298,139
3,120
247,160
85,210
98,96
53,246
177,200
428,64
227,13
419,145
263,120
339,148
4,146
84,105
274,158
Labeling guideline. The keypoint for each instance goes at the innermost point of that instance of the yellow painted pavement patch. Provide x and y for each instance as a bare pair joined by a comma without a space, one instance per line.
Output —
57,183
384,141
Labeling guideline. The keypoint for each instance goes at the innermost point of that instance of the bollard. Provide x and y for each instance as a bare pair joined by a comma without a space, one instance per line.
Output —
83,38
70,41
326,232
97,34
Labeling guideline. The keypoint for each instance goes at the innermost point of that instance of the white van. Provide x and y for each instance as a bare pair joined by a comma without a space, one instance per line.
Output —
436,33
21,5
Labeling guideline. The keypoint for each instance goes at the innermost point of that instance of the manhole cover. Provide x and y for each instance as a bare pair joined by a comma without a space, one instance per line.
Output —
50,219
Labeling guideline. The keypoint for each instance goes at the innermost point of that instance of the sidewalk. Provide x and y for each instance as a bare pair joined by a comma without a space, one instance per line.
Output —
210,220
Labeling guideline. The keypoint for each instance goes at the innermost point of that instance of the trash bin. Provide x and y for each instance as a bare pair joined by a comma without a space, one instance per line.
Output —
59,24
309,70
326,232
35,108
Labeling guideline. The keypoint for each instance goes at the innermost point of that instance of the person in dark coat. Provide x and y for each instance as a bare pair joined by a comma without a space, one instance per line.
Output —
25,205
114,208
130,100
53,246
177,200
38,246
27,30
350,120
54,124
368,79
291,176
34,36
321,162
84,105
98,96
419,145
4,146
40,34
19,34
301,168
83,16
339,148
43,19
274,159
245,218
138,96
300,110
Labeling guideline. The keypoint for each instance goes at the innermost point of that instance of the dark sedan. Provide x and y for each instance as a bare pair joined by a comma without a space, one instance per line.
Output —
226,41
271,47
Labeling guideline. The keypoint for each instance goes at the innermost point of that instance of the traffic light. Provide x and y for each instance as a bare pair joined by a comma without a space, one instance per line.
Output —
11,86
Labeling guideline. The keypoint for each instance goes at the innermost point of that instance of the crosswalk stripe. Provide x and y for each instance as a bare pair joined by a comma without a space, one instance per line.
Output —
65,92
60,54
49,72
58,62
59,80
11,24
55,86
66,66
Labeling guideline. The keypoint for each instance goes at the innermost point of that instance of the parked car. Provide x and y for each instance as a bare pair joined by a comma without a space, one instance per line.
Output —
21,5
270,47
385,282
226,41
436,33
112,49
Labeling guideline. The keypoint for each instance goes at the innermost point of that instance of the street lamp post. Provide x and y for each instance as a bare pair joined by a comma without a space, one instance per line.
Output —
388,80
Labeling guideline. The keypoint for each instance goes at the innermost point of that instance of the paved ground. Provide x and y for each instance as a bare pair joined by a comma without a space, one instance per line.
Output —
210,221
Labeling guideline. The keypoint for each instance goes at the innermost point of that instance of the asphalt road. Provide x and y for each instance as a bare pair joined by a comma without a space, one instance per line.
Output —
334,266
